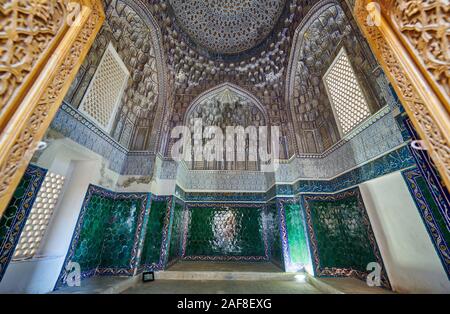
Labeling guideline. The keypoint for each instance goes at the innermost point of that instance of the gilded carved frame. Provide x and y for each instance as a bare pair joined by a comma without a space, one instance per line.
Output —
43,44
411,41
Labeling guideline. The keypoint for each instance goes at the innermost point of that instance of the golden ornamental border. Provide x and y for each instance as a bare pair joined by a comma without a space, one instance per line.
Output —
32,116
410,79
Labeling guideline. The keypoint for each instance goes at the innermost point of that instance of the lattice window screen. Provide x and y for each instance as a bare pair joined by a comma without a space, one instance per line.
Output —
105,90
39,216
349,105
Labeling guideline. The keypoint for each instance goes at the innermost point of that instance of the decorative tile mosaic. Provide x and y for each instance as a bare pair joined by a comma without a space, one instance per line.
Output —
377,139
273,234
341,237
74,125
428,170
295,235
106,236
155,248
396,160
235,232
219,196
16,213
176,231
431,213
431,196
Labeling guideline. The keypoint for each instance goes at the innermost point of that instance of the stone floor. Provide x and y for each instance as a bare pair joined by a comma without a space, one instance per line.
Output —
222,287
223,278
348,286
101,285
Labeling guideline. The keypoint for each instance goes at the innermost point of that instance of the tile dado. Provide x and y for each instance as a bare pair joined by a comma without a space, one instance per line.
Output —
157,235
176,231
107,234
293,234
274,234
235,232
341,238
120,234
16,213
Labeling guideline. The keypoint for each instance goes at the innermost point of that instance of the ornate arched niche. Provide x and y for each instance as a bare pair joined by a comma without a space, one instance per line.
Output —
222,106
136,37
318,39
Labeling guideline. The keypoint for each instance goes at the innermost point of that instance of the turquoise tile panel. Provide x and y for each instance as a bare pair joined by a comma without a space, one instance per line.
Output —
107,235
153,241
273,234
88,252
342,240
119,238
296,234
225,231
176,232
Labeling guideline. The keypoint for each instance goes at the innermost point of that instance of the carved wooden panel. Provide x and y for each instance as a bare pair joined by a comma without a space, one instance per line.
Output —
41,48
425,28
418,73
28,31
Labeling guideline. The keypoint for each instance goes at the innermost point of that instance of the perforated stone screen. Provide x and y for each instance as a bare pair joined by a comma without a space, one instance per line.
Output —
39,216
349,105
105,90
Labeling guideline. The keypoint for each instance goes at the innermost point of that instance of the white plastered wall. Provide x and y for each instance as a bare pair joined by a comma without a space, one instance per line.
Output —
80,167
410,258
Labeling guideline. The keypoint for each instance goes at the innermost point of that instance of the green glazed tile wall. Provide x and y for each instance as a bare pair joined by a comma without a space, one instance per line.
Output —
106,240
88,252
16,213
297,238
119,234
273,234
221,230
151,252
341,237
176,232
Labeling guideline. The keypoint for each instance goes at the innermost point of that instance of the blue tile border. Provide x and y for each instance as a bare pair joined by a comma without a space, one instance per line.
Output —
12,237
396,160
429,220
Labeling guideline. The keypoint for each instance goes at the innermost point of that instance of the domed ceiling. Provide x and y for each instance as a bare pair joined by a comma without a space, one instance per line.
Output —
227,26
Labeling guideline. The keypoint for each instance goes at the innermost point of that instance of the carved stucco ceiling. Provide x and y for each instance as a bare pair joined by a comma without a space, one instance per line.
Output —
227,26
198,60
259,68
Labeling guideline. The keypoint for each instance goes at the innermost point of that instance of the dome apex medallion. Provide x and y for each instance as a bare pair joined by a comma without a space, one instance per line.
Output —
227,26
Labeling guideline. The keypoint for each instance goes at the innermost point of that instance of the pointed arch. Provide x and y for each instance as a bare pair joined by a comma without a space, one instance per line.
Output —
312,15
153,134
219,88
326,29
